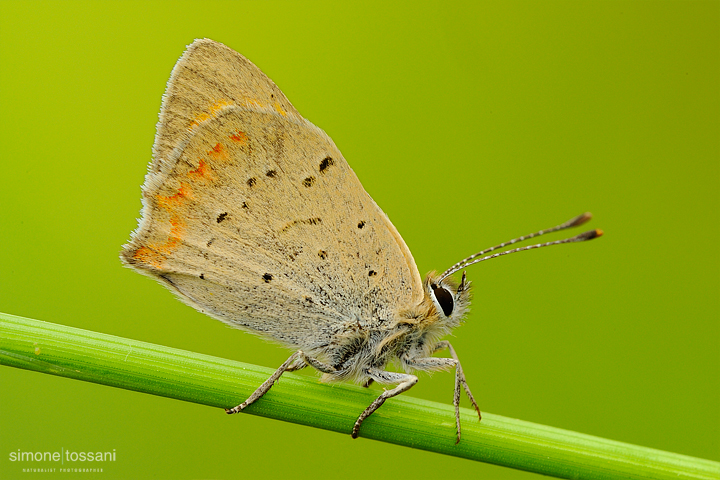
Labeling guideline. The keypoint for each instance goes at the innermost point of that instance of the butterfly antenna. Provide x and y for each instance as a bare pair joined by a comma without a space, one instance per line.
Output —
574,222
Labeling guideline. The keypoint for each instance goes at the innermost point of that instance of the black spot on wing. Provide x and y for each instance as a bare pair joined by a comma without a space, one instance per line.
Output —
267,277
309,221
325,164
245,205
294,252
251,182
361,224
222,217
322,254
372,273
271,173
308,182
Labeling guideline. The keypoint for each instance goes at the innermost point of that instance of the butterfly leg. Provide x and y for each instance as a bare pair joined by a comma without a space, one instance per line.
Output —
459,380
433,363
296,361
302,360
404,380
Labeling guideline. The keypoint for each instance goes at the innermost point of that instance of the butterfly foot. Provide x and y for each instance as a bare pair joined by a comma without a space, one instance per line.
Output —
237,409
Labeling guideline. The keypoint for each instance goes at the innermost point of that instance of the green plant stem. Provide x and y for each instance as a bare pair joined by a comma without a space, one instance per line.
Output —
403,420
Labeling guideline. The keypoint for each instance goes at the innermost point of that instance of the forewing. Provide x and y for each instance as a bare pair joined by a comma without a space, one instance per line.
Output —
254,217
208,77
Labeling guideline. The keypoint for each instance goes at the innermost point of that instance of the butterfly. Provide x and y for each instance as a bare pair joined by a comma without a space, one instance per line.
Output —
252,216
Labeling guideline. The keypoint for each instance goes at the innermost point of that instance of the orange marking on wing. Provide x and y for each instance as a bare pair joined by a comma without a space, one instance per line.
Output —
239,137
251,102
211,112
202,172
170,202
177,228
200,118
149,256
279,109
157,253
177,231
218,105
218,152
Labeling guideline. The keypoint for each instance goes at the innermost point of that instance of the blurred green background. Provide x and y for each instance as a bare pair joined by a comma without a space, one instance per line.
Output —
469,124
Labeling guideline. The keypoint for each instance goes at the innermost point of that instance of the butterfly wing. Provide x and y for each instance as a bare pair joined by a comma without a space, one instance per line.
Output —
252,215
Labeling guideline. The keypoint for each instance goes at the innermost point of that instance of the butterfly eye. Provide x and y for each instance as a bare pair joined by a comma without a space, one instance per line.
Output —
444,298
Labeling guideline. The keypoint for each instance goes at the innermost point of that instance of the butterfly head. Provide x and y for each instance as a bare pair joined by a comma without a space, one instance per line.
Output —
450,299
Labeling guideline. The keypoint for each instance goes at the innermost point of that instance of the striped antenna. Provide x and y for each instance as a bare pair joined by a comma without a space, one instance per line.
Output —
574,222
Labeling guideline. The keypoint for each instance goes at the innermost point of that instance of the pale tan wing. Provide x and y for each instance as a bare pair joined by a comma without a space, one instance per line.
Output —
209,76
255,218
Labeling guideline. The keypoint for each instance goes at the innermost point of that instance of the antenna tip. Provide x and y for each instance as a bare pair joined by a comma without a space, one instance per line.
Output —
580,219
589,235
